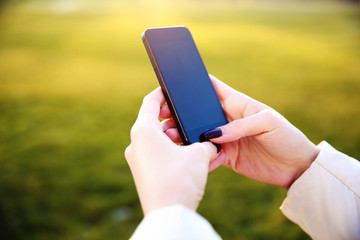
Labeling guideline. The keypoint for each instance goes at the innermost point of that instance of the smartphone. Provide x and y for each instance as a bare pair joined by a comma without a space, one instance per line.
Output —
184,81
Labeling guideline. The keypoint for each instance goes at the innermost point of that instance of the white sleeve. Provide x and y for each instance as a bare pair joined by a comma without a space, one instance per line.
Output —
325,200
174,222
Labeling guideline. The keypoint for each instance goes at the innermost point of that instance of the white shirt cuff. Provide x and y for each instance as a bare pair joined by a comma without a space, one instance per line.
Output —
174,222
324,201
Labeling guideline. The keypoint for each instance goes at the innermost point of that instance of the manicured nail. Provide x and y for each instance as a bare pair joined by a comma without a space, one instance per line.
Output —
217,132
218,147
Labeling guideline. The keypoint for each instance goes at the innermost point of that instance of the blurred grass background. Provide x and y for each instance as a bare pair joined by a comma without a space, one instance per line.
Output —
72,78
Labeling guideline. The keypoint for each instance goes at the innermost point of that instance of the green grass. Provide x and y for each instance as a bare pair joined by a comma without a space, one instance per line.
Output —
71,84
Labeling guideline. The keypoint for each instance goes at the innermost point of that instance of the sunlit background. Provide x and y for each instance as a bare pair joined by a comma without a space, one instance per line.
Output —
73,75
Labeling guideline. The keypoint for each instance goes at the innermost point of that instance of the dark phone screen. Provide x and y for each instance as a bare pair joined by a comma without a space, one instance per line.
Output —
187,80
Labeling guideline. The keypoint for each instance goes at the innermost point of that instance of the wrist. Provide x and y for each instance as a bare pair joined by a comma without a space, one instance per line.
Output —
308,159
147,208
160,199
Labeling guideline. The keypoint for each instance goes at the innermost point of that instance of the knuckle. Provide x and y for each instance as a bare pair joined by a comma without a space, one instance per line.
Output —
128,151
271,116
236,124
267,114
133,132
147,97
136,130
229,105
142,130
198,147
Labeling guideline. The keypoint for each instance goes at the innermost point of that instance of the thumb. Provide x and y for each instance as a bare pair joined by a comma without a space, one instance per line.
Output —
206,149
213,158
264,121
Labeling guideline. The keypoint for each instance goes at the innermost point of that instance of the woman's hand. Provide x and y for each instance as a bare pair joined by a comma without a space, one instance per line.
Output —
166,173
260,143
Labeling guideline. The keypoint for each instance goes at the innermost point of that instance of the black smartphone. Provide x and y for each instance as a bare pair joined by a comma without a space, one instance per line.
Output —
184,81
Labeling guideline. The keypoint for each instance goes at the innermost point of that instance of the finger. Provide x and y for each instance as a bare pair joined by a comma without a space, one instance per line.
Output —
174,135
264,121
223,90
169,128
152,102
165,112
234,102
168,123
218,161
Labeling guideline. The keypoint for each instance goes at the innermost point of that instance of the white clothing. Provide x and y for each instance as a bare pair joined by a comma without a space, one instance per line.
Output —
324,201
174,223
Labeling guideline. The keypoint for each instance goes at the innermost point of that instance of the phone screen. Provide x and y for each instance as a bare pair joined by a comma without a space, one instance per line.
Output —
186,80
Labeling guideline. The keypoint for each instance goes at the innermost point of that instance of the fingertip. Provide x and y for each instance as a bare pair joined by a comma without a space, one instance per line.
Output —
218,140
214,133
210,148
165,112
216,136
174,135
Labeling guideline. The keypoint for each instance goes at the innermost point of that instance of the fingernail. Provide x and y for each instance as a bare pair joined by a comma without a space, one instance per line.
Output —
218,147
217,132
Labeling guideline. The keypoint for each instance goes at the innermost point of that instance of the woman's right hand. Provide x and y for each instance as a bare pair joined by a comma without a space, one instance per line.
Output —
259,142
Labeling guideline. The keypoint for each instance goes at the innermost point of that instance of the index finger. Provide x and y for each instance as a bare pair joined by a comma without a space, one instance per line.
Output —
234,101
222,90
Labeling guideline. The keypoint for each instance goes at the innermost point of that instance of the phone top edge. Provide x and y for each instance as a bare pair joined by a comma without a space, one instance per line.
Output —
175,26
143,35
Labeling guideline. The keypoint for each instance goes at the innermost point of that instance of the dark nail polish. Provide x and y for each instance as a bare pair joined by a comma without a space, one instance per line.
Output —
212,133
218,147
